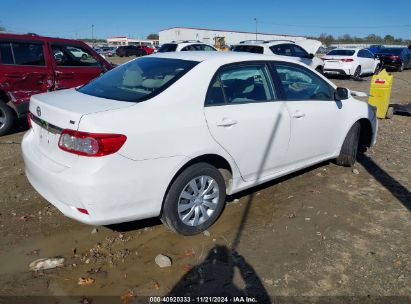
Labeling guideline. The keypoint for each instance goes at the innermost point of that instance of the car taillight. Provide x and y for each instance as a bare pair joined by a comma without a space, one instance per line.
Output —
90,144
29,119
347,60
394,57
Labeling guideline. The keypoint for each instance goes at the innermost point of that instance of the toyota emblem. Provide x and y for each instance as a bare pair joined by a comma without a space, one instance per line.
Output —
38,110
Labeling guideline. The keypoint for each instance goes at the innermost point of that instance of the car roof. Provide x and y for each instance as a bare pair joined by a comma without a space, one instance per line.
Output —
37,38
221,57
266,43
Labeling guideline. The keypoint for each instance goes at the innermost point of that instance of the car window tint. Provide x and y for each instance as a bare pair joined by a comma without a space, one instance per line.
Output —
24,54
69,55
299,52
283,49
362,54
208,48
368,54
248,83
341,52
139,79
215,94
167,47
248,49
6,56
300,84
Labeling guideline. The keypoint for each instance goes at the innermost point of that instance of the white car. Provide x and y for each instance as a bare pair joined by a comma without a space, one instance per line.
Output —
186,45
77,52
303,50
350,62
171,134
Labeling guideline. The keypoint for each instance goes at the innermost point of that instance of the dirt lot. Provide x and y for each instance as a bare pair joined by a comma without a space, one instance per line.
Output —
326,231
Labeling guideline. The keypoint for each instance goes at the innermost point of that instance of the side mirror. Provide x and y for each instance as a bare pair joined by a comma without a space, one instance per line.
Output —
341,94
311,56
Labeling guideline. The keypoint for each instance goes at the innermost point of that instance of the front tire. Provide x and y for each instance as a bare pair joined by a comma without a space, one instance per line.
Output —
377,69
401,67
7,118
349,149
195,200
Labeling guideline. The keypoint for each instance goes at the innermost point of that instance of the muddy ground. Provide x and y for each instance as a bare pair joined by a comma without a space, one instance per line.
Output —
326,231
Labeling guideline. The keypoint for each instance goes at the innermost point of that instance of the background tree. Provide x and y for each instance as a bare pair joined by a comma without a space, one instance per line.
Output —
389,38
152,37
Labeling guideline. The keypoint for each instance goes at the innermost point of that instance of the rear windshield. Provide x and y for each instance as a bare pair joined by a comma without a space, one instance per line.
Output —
342,52
139,79
168,47
396,51
248,48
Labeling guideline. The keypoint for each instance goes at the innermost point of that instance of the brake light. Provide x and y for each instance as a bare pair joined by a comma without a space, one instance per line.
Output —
90,144
347,60
394,57
81,210
29,120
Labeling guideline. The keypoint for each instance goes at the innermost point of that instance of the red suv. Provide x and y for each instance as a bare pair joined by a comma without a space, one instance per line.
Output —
30,64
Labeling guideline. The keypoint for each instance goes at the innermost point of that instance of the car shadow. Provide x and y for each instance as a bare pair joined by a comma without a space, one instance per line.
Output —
215,278
135,225
400,192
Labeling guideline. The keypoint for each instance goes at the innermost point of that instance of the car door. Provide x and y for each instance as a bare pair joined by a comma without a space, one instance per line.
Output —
24,68
74,65
246,118
314,114
366,63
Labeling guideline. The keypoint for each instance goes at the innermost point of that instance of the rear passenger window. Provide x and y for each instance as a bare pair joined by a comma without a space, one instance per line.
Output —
244,84
300,84
22,53
6,56
73,56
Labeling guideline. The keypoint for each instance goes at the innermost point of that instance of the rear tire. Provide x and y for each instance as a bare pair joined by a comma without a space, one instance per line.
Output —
357,73
349,149
7,118
195,200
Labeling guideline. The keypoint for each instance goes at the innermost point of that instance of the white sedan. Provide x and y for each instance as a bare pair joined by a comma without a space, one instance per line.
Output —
350,62
302,50
171,134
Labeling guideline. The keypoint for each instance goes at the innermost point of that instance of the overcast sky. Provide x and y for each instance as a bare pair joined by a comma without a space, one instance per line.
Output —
74,19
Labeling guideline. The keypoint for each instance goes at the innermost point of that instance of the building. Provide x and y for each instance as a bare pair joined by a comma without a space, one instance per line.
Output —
123,40
211,35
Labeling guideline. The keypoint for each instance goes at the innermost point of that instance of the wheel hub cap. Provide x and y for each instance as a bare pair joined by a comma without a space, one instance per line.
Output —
198,200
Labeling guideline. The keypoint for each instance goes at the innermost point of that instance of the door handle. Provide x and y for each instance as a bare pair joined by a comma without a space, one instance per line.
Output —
226,123
298,114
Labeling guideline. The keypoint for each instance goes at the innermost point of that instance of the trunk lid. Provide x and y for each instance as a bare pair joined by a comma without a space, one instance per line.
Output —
53,112
310,45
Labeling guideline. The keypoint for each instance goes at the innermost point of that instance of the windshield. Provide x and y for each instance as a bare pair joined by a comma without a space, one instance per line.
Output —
168,47
342,52
138,80
248,48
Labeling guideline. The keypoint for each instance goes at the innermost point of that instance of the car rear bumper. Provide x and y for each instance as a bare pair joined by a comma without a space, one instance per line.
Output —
392,65
337,71
113,189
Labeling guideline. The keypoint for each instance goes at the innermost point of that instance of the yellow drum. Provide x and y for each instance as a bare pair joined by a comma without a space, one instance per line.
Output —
380,93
